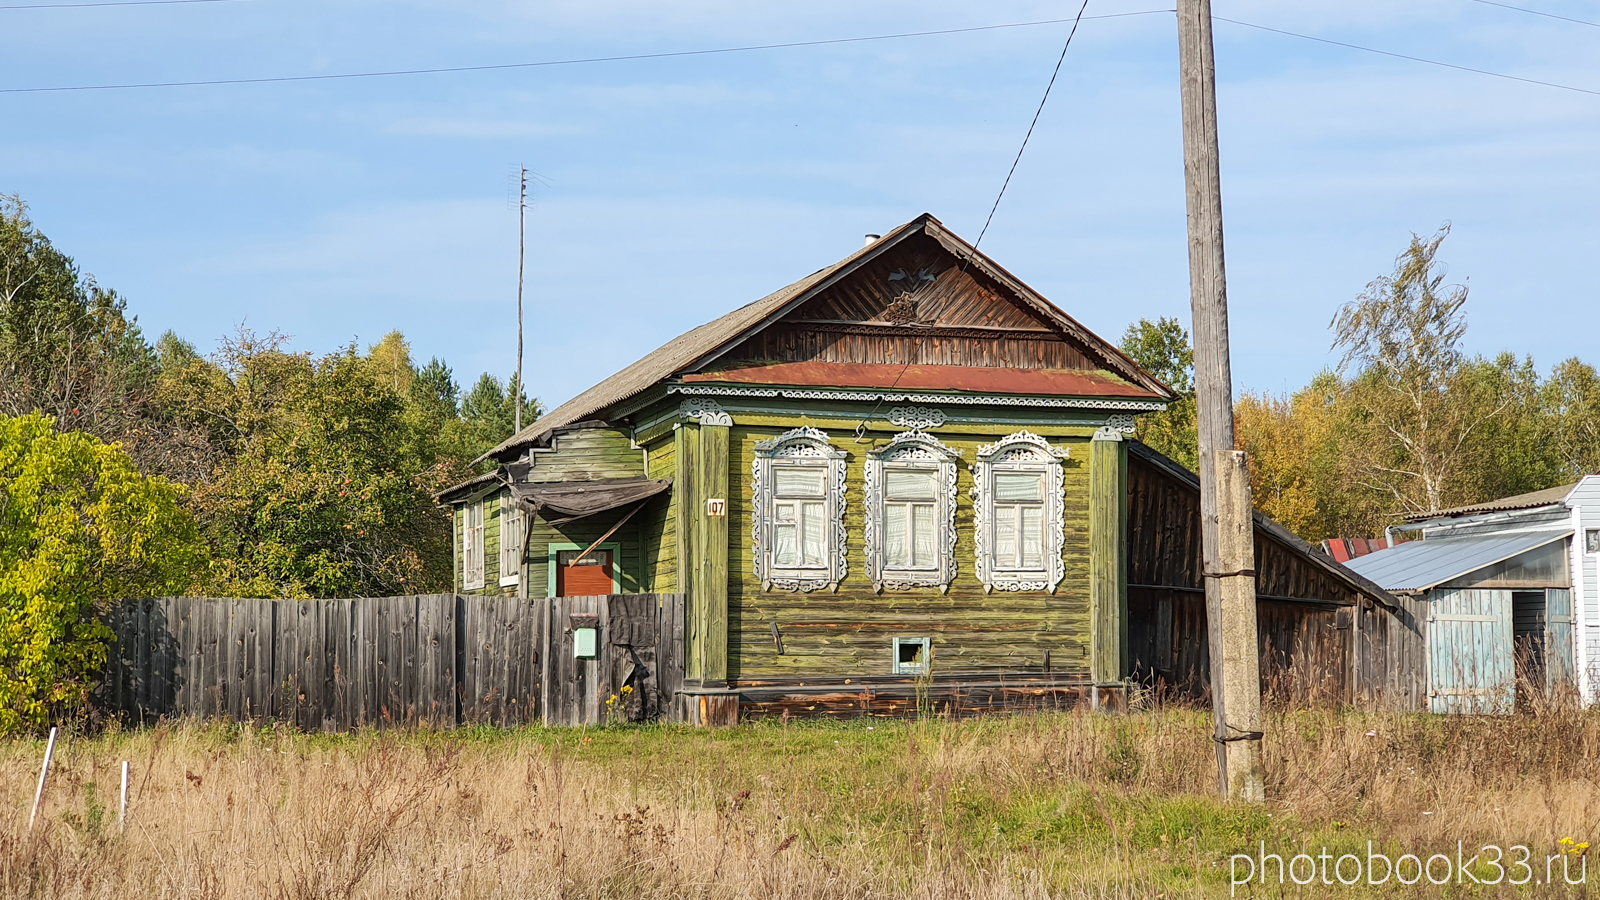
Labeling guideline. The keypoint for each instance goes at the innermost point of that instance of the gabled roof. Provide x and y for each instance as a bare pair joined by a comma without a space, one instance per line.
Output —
1530,500
1270,528
1422,565
697,347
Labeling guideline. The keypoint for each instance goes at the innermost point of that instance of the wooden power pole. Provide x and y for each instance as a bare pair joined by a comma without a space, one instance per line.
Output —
1225,511
522,256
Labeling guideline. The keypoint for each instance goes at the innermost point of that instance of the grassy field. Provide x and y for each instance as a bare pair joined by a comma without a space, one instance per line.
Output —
1050,805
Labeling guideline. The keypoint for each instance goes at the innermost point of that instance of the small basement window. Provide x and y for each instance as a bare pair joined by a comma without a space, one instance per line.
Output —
913,656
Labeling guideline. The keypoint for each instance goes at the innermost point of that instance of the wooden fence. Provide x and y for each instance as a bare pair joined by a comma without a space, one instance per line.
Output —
440,659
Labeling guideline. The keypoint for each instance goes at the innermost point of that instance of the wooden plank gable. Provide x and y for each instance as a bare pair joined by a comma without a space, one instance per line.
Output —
915,304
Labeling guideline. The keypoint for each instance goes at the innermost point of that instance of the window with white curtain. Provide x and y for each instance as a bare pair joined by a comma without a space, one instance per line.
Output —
799,514
910,516
472,546
1018,483
799,498
510,540
1019,521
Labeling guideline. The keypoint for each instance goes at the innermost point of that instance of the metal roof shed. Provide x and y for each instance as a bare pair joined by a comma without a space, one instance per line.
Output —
1499,615
1417,566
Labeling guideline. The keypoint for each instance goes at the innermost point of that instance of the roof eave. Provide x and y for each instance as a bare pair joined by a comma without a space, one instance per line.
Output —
1322,560
466,489
841,269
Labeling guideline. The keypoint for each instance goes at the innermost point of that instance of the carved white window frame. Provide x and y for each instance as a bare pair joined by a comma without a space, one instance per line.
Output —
810,448
472,561
920,451
511,543
1023,451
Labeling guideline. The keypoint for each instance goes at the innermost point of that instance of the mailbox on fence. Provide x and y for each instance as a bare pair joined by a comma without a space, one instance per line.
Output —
585,643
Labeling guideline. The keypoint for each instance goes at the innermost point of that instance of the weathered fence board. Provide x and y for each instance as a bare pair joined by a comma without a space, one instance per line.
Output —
441,659
436,659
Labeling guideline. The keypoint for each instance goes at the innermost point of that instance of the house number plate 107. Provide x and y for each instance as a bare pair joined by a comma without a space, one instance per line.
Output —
716,507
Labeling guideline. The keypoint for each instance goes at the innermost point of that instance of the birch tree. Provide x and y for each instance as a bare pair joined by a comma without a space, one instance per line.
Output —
1402,337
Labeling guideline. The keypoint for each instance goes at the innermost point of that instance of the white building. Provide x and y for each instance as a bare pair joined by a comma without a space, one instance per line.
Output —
1515,575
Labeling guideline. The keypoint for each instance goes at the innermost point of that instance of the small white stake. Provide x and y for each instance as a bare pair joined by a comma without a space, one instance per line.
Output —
44,772
122,812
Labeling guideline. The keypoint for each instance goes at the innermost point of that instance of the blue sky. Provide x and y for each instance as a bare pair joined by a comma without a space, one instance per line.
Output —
675,189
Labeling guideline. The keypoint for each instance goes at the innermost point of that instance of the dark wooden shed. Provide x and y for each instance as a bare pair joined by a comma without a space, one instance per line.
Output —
1326,634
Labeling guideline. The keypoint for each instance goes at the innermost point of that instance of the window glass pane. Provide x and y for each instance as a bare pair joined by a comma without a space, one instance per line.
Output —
1018,486
1005,536
1032,537
794,481
895,546
922,531
811,546
911,484
783,550
783,513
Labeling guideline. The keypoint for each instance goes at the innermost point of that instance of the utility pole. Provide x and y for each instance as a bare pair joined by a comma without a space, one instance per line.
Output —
522,257
1227,532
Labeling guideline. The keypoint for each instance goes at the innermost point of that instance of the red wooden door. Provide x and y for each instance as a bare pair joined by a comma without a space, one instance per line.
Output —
592,575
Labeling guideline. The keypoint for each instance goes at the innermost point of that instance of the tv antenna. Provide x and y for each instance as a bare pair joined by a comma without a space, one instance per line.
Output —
522,257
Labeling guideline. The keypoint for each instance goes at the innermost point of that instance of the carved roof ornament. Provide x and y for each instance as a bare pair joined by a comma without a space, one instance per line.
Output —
903,309
917,418
705,411
1114,429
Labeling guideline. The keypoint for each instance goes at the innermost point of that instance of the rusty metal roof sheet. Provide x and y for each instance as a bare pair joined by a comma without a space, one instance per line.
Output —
700,345
1421,565
1530,500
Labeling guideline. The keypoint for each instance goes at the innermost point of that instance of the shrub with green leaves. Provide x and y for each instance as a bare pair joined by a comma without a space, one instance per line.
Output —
79,526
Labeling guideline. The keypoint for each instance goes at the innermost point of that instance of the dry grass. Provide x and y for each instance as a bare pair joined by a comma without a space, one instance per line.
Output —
1059,805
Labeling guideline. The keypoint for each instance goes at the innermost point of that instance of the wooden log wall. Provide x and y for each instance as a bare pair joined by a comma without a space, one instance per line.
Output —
828,636
958,696
331,665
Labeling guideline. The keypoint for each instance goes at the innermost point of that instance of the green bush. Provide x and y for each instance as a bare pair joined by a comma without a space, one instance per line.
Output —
78,526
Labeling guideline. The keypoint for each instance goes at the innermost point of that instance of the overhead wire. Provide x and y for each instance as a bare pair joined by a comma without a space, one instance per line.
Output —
861,428
112,3
1537,12
278,79
1031,125
564,62
1431,62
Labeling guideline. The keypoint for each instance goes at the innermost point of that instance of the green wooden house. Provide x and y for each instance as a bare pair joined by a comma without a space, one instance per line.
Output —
904,476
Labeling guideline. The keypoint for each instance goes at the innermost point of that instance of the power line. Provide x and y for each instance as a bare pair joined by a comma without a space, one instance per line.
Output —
113,3
1036,114
744,49
1431,62
563,62
1537,12
915,348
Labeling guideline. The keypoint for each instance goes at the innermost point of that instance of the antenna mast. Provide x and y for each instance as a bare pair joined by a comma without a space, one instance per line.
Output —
522,256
